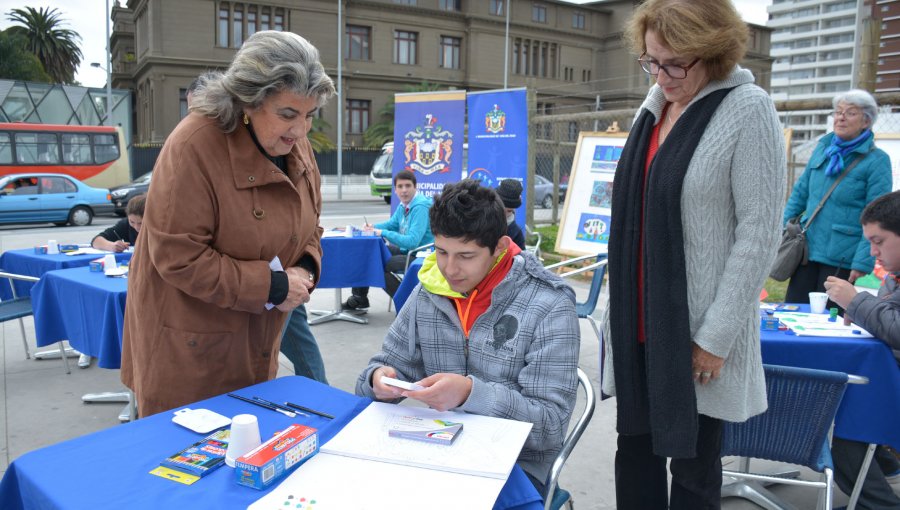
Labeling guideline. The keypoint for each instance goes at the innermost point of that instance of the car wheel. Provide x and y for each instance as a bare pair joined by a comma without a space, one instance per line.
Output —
80,216
547,203
387,200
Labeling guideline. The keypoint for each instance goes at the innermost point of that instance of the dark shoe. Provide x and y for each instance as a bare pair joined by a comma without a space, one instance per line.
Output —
356,303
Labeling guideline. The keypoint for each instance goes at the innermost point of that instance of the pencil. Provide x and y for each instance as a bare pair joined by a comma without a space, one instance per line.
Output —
308,410
277,405
260,404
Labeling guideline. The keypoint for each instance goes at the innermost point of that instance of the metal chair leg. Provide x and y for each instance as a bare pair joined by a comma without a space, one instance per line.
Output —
24,339
62,354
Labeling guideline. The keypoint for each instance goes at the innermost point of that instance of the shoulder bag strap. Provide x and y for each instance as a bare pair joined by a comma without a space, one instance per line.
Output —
838,181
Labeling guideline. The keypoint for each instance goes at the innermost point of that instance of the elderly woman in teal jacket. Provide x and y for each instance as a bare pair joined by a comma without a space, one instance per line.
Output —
836,244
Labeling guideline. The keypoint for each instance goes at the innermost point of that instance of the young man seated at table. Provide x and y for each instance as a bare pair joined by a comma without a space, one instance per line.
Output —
487,331
406,229
880,316
124,233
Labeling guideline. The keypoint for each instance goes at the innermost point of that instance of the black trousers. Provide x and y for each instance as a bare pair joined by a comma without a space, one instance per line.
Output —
877,493
696,483
395,264
811,278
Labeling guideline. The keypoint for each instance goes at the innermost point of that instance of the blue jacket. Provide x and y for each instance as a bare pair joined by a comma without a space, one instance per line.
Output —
409,230
835,236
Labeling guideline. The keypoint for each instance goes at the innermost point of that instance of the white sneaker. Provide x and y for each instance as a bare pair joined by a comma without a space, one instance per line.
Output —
84,361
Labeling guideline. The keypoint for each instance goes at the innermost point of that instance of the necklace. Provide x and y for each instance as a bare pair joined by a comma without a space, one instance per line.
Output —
669,117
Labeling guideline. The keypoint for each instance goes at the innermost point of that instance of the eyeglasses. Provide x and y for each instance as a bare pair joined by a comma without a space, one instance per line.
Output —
849,113
675,71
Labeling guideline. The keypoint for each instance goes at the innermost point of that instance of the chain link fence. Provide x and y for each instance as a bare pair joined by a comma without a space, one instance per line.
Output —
556,136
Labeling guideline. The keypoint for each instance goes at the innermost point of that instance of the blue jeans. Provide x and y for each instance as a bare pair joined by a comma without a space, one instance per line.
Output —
300,347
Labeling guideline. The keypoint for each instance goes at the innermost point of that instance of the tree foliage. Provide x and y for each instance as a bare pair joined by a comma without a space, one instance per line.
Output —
55,47
317,137
16,62
383,131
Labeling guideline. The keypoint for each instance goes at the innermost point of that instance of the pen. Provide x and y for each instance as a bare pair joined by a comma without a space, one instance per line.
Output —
308,410
366,220
278,406
260,404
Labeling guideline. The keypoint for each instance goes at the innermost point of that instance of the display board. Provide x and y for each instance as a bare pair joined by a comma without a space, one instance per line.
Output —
584,225
890,143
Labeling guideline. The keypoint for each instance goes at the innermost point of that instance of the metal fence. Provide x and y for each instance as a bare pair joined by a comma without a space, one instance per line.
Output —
555,136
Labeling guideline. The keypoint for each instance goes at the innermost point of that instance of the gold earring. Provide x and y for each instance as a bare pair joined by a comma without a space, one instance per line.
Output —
246,119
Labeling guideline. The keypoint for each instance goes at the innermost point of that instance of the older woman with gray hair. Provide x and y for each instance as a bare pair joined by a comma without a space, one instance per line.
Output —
235,197
836,243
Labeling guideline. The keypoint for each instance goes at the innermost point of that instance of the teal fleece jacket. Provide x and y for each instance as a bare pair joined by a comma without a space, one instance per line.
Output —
409,230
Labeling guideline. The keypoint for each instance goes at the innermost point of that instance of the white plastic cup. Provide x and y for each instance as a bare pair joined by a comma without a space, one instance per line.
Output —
348,232
817,302
244,437
109,262
52,247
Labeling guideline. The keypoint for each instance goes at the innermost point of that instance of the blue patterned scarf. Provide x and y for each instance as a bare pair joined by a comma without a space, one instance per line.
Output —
839,149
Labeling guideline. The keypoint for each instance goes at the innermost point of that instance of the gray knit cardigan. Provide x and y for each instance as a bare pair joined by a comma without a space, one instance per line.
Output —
731,206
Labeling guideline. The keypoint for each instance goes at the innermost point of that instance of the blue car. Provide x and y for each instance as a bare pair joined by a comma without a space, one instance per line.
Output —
50,198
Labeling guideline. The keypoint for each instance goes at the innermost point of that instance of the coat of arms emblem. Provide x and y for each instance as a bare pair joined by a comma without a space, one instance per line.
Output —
428,148
495,120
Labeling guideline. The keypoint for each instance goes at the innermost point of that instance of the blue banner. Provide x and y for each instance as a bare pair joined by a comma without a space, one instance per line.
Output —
429,131
498,139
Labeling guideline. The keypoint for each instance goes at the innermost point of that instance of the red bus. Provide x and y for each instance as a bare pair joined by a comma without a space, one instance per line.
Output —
95,155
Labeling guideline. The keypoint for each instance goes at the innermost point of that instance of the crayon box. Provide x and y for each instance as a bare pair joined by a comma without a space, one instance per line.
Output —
268,462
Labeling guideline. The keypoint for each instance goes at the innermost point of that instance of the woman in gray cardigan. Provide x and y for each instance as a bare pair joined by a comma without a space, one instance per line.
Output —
696,211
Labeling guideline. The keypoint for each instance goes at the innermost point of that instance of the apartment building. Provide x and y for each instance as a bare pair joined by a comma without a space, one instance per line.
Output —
887,14
572,55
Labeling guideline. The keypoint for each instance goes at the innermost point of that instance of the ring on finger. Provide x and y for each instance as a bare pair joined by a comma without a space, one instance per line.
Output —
706,375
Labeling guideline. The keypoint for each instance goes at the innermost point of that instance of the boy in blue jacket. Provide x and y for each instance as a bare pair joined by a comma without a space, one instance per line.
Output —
880,316
406,229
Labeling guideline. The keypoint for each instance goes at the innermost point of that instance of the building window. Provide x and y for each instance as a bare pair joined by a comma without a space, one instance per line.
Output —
539,13
237,25
358,112
237,21
450,5
578,20
585,75
183,103
497,7
535,58
405,47
569,73
359,40
223,25
450,52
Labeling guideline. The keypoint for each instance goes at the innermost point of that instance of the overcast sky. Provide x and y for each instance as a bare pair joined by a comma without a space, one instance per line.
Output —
86,17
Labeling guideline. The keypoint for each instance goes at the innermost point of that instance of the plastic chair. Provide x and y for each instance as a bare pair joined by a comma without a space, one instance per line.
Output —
586,309
795,429
561,496
20,307
409,254
536,246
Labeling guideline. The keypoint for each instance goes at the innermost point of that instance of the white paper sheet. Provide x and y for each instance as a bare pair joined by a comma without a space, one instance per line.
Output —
486,446
817,324
334,482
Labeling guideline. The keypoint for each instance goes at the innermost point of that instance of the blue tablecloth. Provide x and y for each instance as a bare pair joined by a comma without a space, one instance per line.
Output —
110,468
410,280
28,263
869,413
87,308
353,262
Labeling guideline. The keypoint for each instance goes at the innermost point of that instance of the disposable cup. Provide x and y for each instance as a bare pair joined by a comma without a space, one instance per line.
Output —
817,302
109,262
244,437
52,247
348,232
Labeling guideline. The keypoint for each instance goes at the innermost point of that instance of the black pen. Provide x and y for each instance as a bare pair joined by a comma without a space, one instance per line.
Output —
261,404
308,410
277,405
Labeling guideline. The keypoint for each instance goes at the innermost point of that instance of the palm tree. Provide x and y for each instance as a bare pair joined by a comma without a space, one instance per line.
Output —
383,131
56,47
317,137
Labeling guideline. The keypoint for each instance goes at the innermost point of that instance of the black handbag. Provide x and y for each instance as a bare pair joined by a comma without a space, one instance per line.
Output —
793,250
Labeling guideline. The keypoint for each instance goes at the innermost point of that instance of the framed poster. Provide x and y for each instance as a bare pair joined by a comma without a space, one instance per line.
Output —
890,143
584,225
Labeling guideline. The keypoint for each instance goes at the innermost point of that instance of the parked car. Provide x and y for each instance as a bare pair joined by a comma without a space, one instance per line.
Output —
50,198
543,192
122,194
380,178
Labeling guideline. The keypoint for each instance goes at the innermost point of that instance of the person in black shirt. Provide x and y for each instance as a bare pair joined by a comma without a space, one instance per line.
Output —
124,233
510,191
